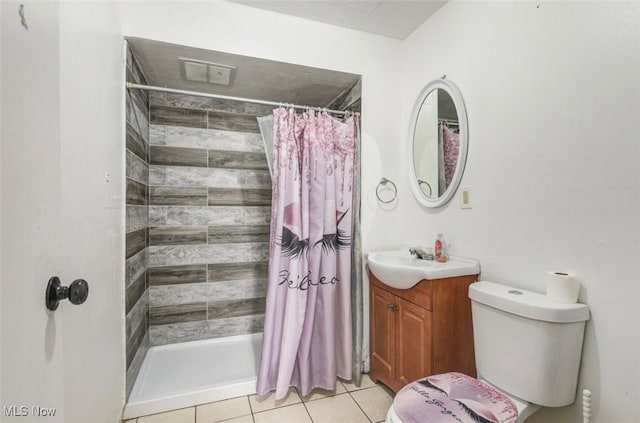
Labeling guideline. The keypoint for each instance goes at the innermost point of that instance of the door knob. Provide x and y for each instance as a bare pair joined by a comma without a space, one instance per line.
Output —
77,292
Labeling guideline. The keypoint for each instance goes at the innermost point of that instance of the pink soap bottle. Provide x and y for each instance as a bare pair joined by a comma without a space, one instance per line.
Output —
439,246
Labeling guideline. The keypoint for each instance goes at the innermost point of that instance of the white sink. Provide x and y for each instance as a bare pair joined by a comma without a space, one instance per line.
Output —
401,270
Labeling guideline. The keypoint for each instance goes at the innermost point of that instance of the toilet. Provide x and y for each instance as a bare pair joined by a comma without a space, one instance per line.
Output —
527,351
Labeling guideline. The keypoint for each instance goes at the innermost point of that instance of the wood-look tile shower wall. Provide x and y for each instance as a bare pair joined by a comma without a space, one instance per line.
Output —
209,214
137,224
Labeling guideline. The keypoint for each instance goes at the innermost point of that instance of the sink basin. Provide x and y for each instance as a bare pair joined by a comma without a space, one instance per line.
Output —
399,269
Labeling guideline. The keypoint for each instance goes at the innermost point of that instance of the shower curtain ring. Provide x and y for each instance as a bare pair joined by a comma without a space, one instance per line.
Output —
383,182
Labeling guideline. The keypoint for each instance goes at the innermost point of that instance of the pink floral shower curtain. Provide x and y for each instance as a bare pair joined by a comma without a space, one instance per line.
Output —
448,149
307,339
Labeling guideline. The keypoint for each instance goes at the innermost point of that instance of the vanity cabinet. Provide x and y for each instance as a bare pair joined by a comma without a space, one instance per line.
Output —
420,331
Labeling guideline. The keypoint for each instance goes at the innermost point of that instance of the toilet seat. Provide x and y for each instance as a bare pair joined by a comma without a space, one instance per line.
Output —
451,397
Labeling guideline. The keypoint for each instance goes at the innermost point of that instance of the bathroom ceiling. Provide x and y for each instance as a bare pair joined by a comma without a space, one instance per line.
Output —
390,18
254,78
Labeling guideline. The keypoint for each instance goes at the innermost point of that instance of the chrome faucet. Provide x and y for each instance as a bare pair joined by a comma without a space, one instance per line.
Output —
418,252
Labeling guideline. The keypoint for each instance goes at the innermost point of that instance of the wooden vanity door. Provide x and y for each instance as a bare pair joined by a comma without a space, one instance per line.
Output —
383,334
413,342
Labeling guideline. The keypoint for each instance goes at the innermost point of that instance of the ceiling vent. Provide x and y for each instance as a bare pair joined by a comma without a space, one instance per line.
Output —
212,73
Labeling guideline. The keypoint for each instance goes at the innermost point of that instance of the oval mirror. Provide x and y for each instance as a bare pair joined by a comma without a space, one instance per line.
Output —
438,140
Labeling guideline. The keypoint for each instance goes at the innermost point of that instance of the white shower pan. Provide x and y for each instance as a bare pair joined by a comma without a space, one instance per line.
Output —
186,374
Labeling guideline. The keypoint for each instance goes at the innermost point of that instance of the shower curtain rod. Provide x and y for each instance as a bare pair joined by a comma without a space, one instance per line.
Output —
131,85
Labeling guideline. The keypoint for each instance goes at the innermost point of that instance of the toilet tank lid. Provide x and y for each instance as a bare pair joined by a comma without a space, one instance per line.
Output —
527,304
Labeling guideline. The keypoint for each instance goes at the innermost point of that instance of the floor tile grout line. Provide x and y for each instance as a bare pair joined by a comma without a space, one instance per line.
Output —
231,418
334,396
250,406
275,408
307,410
358,405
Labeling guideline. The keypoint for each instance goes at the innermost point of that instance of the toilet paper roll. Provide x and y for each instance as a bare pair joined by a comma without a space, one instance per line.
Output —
563,287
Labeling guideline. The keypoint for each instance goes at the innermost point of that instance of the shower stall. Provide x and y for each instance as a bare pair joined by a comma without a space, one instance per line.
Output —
198,209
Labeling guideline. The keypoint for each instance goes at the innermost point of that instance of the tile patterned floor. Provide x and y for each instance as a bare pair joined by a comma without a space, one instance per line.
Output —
348,404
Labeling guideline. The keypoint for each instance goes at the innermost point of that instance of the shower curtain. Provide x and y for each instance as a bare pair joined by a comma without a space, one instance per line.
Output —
265,123
448,148
307,341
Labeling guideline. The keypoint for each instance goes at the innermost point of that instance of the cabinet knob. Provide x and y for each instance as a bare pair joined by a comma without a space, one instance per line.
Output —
393,307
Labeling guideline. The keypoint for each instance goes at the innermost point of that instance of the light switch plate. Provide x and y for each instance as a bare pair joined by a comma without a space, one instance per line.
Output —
465,198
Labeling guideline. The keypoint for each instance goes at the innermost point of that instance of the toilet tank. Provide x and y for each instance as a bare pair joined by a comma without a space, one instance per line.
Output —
527,345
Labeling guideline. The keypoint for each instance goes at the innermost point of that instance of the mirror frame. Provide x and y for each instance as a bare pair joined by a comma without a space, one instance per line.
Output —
458,102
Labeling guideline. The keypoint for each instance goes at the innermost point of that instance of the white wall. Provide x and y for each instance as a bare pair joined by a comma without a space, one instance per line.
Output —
32,353
92,146
0,204
553,100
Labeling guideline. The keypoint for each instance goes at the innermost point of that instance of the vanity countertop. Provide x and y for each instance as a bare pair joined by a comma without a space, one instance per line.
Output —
401,270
